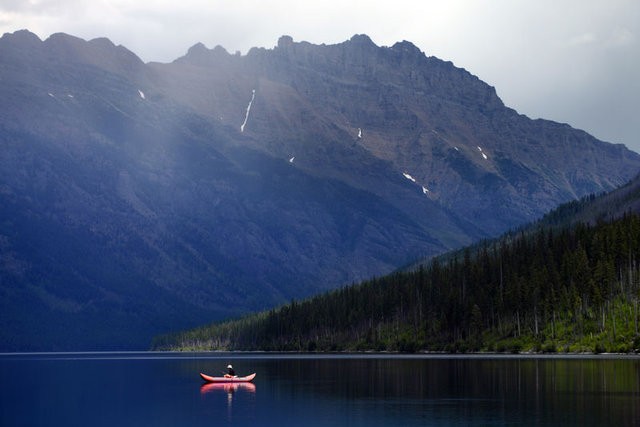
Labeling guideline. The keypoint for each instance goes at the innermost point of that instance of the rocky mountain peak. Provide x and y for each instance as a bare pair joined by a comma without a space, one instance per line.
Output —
99,52
24,37
285,41
103,43
407,47
197,49
200,55
362,40
19,43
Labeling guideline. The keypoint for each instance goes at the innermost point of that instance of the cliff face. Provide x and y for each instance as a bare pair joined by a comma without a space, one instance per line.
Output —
420,115
138,198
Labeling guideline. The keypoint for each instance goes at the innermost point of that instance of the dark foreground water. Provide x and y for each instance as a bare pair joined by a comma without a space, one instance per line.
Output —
142,389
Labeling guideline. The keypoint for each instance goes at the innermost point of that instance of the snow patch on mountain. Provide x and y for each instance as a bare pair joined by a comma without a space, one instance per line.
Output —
246,116
409,177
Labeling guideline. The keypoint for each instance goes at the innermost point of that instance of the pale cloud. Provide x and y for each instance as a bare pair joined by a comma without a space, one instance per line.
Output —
622,37
575,61
582,39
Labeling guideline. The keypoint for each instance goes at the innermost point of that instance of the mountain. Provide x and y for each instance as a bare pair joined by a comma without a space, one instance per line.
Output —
140,197
568,285
422,116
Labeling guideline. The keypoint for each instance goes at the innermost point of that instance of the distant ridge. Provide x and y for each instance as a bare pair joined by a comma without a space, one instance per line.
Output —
595,208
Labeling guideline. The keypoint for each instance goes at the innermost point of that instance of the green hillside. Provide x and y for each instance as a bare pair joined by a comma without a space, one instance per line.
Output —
557,288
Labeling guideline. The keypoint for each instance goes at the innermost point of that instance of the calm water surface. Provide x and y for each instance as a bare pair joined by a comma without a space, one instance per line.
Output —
142,389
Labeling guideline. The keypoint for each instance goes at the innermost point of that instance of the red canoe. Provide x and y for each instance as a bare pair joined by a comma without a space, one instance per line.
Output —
209,379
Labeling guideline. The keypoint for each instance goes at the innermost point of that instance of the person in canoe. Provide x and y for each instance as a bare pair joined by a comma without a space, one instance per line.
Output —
230,372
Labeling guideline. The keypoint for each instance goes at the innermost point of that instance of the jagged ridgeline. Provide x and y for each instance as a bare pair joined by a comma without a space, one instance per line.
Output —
544,289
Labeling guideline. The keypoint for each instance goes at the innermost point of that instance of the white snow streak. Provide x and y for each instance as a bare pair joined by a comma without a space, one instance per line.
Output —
479,149
51,95
291,159
456,148
425,190
246,116
359,133
409,177
69,95
141,94
484,156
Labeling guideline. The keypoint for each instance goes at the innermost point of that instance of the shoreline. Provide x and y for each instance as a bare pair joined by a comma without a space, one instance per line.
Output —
217,354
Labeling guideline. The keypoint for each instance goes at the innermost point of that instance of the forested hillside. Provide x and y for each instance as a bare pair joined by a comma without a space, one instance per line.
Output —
570,289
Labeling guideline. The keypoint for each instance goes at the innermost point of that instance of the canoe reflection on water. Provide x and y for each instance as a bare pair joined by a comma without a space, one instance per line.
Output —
227,387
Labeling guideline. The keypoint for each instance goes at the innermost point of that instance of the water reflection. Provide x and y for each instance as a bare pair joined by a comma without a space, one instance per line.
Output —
227,387
216,391
474,391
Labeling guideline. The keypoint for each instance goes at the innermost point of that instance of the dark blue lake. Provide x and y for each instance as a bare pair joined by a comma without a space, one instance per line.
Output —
148,389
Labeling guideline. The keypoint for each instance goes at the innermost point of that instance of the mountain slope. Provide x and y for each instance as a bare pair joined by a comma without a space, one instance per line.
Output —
549,289
137,198
593,209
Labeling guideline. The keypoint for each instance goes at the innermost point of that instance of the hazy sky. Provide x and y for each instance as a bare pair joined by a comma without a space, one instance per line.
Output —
573,61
